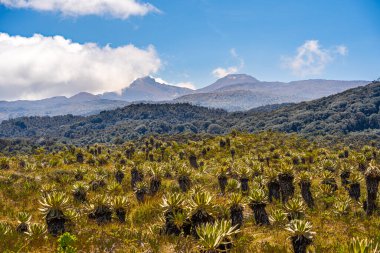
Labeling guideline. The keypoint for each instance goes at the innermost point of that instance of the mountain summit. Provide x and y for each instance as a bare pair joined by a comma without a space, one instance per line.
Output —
147,89
229,80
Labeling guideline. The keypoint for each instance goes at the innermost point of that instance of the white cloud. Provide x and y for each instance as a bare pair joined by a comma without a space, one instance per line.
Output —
188,85
312,58
117,8
342,50
222,72
37,67
159,80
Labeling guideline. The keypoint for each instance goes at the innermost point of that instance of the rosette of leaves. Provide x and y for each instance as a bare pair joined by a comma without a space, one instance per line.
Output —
305,185
354,185
258,202
100,209
173,208
155,179
141,189
53,207
23,219
342,206
357,245
80,191
286,178
372,178
216,237
278,218
120,206
236,207
36,231
273,185
295,209
201,209
222,179
302,235
119,173
183,178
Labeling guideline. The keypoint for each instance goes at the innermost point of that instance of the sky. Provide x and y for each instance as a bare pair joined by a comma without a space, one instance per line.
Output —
61,47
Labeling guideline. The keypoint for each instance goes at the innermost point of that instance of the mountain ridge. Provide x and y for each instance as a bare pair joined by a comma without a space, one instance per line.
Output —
236,92
353,114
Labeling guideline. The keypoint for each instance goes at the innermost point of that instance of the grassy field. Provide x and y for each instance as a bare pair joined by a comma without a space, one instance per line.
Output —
267,192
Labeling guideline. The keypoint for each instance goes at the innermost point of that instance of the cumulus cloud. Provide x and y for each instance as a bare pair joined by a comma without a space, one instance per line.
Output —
222,72
117,8
311,58
38,66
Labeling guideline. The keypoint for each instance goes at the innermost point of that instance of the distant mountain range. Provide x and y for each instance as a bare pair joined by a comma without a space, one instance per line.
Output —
243,92
80,104
352,115
235,92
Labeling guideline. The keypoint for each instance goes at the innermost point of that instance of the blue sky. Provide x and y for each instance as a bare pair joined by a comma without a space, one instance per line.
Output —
192,38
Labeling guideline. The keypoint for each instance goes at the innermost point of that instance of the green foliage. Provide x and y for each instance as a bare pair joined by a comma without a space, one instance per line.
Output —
357,245
258,196
54,203
66,243
278,218
213,236
301,228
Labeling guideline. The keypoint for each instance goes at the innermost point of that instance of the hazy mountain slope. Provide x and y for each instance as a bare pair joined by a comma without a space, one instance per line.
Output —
84,103
81,104
236,100
233,93
354,112
247,95
147,89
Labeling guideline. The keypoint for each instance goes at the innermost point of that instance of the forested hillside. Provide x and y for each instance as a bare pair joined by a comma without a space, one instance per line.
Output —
353,113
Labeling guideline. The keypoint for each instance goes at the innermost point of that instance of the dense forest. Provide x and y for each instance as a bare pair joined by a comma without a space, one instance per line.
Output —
353,114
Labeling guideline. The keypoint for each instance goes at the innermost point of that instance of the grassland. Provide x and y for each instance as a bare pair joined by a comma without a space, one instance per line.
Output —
265,192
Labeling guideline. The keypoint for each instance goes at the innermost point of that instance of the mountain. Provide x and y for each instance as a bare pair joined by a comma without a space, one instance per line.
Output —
243,92
235,100
84,96
353,114
229,80
80,104
84,103
147,89
237,92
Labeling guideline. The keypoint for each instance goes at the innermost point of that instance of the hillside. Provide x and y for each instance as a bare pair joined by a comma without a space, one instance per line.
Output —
353,113
242,92
235,92
354,110
236,100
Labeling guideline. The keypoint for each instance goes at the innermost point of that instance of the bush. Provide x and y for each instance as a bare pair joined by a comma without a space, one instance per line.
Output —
214,129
